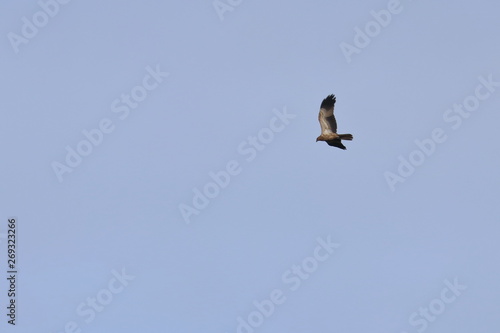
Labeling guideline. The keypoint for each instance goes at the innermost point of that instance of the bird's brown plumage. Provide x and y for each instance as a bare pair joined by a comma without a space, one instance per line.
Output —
328,124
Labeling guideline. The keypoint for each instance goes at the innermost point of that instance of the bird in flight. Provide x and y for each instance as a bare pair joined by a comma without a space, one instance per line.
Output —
329,124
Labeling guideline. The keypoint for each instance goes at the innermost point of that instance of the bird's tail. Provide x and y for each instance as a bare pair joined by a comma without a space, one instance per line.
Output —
345,136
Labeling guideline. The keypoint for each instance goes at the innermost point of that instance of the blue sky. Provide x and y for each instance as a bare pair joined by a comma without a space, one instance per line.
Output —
160,159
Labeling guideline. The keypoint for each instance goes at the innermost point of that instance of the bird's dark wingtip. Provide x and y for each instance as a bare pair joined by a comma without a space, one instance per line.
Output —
328,102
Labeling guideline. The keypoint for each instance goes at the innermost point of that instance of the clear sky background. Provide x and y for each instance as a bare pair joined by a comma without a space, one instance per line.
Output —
415,253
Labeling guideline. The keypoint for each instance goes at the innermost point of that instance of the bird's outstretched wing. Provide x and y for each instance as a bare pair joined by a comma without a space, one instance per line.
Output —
326,117
336,143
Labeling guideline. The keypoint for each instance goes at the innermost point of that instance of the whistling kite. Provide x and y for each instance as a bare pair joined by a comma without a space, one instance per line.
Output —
329,124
